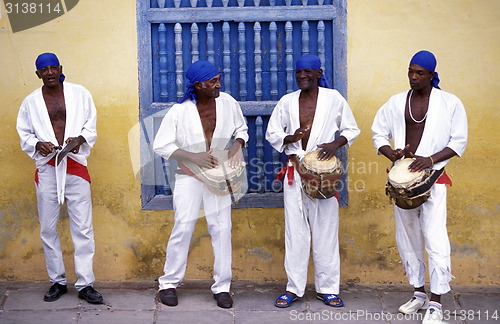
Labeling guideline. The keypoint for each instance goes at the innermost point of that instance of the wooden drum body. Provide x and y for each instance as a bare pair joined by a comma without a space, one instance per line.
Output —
409,189
320,179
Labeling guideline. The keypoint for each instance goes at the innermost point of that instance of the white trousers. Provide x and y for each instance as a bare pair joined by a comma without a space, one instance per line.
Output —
189,196
309,219
424,228
79,206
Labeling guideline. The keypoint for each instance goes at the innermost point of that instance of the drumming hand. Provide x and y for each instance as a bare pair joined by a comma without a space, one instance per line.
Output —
298,135
205,159
327,151
396,154
235,155
420,163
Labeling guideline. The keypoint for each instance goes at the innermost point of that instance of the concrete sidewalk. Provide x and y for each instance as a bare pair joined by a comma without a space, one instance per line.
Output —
137,302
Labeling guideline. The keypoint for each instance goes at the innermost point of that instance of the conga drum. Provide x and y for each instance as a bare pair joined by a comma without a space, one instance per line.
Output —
320,179
409,189
223,179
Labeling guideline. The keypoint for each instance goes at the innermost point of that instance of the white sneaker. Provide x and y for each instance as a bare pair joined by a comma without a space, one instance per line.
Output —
434,314
418,301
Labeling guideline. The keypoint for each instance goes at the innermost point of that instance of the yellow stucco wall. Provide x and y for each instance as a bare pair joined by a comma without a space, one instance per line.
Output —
97,45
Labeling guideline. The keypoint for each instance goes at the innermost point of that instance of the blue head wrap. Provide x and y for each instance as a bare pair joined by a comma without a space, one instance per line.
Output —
47,59
310,61
198,71
427,60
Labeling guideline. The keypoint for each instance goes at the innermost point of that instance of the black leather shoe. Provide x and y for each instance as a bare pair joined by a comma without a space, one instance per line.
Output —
90,295
224,300
55,291
169,297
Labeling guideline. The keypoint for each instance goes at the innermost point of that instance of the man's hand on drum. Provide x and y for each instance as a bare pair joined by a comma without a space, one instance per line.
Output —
419,162
297,136
235,155
327,150
396,154
205,159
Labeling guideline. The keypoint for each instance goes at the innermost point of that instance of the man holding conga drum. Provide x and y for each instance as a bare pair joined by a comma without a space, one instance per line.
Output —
304,124
205,120
429,126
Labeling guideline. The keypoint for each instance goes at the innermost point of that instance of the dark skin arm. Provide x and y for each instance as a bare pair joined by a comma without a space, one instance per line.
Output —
394,155
235,155
207,160
327,149
421,162
45,148
202,159
297,136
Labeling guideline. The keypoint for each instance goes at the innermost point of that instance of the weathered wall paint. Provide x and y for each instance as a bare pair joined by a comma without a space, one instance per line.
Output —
96,43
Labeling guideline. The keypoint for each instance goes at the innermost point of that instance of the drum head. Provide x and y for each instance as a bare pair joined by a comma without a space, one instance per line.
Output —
223,179
223,170
400,176
311,163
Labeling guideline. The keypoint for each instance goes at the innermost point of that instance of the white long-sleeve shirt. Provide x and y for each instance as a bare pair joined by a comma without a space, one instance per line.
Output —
33,122
34,125
181,128
332,114
445,125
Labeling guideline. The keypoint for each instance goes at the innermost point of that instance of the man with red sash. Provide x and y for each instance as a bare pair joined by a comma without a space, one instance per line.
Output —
49,118
430,126
303,121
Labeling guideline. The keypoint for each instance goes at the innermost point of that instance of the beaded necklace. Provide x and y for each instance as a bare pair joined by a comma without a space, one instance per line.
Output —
409,110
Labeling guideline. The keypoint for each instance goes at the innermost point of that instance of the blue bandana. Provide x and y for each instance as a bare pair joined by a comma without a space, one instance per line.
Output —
198,71
427,60
47,59
310,61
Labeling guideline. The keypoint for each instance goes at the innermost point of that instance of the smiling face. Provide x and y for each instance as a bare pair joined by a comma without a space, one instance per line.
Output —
50,75
419,77
307,79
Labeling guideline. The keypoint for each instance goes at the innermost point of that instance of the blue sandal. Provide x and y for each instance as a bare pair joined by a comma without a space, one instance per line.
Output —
289,299
327,298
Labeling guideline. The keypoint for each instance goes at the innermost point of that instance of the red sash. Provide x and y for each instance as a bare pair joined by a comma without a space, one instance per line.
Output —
289,170
73,168
443,179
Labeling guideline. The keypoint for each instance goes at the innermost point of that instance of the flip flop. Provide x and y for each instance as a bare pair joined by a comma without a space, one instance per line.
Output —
327,298
289,299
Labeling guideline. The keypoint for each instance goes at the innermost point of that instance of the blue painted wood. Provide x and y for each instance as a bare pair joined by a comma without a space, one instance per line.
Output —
257,66
259,134
257,61
321,43
195,53
210,43
289,57
242,61
240,14
274,61
227,58
163,62
305,37
179,73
